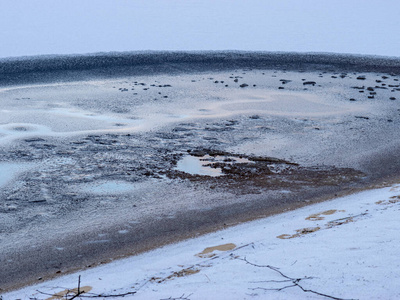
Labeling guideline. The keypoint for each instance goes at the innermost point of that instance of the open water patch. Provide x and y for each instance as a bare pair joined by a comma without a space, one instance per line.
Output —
205,165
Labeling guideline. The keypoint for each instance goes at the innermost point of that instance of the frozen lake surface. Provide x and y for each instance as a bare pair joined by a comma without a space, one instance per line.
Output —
102,160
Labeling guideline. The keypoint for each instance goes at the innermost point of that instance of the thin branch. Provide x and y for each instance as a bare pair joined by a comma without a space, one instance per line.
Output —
274,281
80,293
183,297
90,295
79,289
107,295
266,266
273,289
295,281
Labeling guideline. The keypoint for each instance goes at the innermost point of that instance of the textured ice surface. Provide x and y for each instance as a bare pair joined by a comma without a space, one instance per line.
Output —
102,150
108,187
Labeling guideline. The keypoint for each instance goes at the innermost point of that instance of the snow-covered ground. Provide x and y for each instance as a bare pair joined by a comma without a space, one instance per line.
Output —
345,248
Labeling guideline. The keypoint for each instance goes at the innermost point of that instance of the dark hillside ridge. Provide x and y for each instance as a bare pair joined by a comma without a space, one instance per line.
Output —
107,65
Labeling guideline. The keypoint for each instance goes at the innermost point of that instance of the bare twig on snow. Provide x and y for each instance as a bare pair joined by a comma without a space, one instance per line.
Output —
295,282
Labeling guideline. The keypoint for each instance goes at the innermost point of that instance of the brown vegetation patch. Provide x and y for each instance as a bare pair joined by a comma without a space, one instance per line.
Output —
181,273
392,200
300,232
265,173
66,294
208,252
318,216
339,222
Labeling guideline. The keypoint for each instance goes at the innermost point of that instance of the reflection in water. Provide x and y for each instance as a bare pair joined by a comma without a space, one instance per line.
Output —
195,166
202,165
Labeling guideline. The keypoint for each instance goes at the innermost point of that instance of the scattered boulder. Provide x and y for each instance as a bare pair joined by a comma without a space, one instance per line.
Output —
31,140
284,81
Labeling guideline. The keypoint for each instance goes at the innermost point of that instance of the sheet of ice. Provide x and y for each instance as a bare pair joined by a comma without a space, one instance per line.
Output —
107,187
9,171
66,27
281,104
344,248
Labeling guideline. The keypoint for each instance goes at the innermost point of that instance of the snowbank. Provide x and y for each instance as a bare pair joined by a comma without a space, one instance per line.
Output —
343,248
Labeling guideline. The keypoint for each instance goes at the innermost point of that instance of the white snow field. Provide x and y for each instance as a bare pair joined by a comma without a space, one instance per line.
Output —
345,248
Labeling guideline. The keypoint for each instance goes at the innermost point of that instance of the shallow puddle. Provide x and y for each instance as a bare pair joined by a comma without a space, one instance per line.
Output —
195,165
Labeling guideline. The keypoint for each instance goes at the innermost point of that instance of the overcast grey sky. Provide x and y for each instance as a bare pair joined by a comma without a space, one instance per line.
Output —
30,27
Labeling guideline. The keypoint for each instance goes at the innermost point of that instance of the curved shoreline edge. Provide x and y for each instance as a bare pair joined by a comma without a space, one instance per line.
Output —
59,70
55,68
